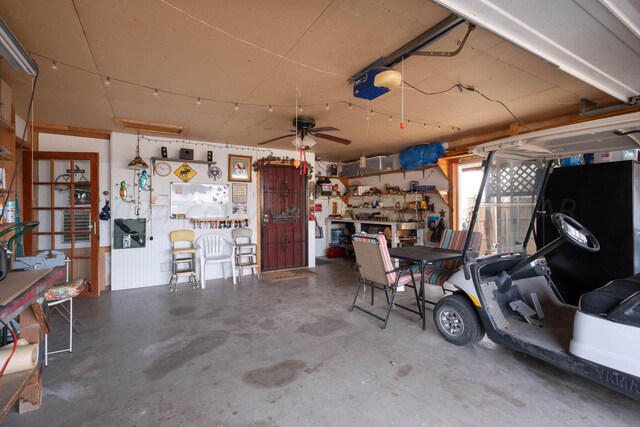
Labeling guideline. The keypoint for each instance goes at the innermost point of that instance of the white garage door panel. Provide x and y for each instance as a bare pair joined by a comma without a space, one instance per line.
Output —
595,41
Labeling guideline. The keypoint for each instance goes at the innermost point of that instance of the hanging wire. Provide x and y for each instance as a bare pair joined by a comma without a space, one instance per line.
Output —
461,87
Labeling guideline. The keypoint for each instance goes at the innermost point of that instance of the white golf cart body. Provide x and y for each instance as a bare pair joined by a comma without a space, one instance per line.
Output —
527,313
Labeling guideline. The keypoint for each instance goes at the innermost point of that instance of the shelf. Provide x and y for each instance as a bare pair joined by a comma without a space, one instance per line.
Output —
167,159
25,146
4,124
13,386
344,199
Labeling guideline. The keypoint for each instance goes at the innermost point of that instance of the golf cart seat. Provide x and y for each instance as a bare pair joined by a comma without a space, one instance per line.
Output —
438,272
619,301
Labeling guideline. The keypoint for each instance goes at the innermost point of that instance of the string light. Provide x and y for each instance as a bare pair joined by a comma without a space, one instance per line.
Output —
156,92
205,144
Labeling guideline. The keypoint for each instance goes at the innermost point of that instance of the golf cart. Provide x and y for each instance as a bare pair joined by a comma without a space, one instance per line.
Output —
509,293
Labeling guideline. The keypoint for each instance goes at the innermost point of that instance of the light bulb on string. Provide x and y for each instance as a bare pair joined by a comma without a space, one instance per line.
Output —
54,65
270,109
390,118
155,92
236,106
107,81
300,109
350,106
326,107
372,112
198,101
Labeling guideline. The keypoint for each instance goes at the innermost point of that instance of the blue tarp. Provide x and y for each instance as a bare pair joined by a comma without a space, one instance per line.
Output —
421,155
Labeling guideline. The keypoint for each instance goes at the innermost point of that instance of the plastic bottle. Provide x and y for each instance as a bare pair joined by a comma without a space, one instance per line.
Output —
10,212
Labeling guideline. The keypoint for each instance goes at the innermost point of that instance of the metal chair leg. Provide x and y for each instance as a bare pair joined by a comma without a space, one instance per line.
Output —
355,298
386,318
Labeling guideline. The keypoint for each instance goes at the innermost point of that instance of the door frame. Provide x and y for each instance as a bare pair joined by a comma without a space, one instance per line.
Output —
29,200
303,218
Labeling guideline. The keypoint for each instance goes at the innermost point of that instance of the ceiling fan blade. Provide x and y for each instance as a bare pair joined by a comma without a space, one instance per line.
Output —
325,129
332,138
275,139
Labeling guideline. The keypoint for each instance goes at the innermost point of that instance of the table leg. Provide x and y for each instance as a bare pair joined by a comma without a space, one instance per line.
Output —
423,265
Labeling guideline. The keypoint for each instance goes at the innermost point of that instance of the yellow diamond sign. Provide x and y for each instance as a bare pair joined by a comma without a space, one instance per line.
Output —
185,172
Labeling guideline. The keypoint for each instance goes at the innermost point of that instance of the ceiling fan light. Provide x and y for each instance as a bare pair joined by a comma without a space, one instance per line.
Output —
308,141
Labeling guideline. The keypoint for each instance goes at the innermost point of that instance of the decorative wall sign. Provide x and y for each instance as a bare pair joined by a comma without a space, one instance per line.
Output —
239,198
214,172
239,168
185,172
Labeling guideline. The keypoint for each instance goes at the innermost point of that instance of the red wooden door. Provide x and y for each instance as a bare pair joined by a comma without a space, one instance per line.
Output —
284,228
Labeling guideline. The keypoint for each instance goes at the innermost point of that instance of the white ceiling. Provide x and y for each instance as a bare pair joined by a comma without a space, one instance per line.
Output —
257,52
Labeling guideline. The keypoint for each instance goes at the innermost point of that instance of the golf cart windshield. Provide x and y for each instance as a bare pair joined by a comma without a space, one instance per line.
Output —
517,166
509,199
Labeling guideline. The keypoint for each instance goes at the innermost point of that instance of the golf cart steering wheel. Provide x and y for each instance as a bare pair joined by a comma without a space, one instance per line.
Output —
570,231
575,233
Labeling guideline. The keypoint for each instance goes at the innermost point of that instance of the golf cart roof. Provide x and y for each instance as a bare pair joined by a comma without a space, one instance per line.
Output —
608,134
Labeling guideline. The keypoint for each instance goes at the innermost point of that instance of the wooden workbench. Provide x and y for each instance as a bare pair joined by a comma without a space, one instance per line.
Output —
21,297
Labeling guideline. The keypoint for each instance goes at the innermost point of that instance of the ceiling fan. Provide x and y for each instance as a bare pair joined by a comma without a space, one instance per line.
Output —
304,129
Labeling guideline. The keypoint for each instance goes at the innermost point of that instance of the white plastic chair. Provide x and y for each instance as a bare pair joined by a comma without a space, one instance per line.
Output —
214,248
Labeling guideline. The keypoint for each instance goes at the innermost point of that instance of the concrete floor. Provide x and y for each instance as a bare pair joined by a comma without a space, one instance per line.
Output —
290,353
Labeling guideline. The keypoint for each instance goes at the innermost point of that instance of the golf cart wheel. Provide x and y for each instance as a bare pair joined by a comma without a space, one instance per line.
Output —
457,320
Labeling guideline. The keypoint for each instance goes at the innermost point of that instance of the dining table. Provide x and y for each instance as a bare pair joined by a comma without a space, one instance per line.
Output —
423,256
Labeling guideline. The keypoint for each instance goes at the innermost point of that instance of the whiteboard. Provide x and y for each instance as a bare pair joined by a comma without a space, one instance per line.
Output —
199,200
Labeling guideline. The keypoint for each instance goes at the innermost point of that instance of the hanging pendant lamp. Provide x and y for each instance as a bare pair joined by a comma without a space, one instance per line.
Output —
137,162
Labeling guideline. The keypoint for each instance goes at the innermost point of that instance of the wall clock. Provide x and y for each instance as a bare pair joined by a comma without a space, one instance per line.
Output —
162,169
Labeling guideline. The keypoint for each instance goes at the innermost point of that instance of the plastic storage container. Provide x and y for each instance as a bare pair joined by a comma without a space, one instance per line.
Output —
378,164
350,169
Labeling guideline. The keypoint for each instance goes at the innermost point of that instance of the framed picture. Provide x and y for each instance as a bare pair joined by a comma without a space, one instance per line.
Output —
239,168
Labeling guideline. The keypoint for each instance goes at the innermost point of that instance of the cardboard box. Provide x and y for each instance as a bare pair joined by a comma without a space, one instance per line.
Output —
615,156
